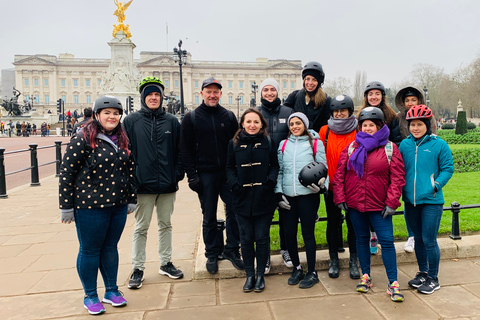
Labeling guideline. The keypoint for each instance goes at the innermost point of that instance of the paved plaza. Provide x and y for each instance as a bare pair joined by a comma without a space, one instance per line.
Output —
39,280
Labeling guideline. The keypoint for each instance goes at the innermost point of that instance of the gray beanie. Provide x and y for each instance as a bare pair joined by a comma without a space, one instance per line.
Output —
270,82
301,116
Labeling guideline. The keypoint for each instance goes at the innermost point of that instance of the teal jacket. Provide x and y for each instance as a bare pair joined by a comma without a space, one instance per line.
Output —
428,164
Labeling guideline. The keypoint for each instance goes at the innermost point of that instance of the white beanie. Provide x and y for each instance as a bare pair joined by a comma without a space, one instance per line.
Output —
270,82
301,116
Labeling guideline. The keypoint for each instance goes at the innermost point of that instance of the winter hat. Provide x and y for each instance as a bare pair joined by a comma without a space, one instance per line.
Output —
427,122
152,88
314,73
301,116
270,82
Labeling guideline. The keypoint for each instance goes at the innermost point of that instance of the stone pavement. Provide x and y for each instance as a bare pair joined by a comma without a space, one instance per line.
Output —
39,280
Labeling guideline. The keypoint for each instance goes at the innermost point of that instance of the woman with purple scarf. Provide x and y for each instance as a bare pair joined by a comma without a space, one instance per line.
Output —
368,183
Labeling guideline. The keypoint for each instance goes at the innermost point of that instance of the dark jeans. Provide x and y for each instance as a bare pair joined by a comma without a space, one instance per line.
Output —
305,208
255,240
333,223
214,185
424,219
99,231
281,231
384,229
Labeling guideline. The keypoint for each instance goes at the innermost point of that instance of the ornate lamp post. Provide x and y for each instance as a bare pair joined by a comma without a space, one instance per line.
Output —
425,91
180,56
238,106
254,91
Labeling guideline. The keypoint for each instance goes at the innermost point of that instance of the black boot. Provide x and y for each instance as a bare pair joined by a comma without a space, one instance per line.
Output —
333,272
249,284
260,284
354,273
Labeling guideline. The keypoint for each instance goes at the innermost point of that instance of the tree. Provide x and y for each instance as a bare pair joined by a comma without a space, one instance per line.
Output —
461,127
337,86
429,76
359,86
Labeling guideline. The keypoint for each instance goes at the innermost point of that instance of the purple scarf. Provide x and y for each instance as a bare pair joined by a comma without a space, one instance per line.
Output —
366,143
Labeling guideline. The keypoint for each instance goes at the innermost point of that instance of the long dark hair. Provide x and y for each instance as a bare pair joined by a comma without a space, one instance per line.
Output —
388,112
263,130
92,128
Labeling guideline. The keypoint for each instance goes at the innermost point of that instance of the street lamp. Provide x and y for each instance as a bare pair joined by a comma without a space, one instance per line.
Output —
238,106
425,90
180,56
254,91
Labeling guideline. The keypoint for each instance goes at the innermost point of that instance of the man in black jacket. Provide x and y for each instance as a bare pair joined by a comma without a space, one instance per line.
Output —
205,135
154,137
87,115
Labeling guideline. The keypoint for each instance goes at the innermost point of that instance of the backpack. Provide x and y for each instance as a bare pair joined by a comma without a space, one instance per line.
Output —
388,150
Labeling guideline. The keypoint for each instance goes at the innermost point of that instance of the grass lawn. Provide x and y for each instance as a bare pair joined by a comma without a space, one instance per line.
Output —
463,146
463,188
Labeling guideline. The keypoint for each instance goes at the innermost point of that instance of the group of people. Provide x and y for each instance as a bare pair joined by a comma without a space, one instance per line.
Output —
274,156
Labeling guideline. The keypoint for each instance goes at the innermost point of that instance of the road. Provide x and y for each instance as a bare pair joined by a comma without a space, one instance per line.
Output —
18,161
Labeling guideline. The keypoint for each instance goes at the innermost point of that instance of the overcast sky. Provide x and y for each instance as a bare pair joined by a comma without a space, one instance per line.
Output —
384,38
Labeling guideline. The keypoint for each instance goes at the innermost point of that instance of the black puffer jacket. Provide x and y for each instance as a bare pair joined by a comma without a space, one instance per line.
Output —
252,169
95,178
317,117
204,142
154,138
277,118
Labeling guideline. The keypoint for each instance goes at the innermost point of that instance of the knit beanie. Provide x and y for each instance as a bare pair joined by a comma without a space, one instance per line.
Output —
270,82
152,88
301,116
427,122
314,73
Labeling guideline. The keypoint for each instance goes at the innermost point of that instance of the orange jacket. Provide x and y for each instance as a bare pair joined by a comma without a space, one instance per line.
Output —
335,144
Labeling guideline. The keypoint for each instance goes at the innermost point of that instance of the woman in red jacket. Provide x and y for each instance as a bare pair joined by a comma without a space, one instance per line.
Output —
368,183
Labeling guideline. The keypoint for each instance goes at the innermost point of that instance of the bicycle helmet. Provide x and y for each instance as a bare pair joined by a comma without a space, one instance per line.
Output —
374,85
371,113
105,102
342,102
311,173
314,69
150,80
419,112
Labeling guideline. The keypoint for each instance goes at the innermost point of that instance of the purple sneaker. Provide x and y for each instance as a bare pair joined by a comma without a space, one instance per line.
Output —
93,305
115,298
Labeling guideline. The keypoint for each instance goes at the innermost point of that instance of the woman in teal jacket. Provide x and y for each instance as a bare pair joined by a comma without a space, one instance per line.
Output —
428,167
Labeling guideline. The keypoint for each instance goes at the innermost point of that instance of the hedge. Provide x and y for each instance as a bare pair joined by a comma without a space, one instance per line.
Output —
466,160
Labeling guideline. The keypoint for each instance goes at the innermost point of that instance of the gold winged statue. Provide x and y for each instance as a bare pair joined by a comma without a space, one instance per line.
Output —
120,13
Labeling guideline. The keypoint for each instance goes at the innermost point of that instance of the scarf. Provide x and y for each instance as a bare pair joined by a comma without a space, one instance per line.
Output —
271,105
366,143
343,126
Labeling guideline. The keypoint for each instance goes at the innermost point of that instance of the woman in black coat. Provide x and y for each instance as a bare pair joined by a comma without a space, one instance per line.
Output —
252,169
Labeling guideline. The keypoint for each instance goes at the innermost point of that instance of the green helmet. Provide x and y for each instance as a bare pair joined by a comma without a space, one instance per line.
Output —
149,80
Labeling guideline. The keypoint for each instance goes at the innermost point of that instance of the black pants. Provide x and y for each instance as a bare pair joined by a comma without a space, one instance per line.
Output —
305,208
281,231
214,185
255,240
333,223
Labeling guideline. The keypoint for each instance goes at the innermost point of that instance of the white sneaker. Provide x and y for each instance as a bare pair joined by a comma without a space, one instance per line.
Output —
286,258
409,245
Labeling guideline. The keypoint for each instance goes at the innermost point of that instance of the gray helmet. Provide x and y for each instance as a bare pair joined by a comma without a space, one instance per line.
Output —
105,102
371,113
342,102
315,69
374,85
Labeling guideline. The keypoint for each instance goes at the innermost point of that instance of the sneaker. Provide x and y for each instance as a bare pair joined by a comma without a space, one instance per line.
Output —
212,265
429,286
365,284
394,292
309,281
267,266
136,279
235,259
286,258
419,279
373,246
297,275
409,245
115,298
170,270
93,305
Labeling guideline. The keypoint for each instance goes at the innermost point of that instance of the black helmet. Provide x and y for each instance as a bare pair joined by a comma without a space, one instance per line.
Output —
311,173
107,102
374,85
371,113
315,69
342,102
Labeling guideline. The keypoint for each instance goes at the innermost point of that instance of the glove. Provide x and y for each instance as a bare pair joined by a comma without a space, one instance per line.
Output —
131,207
236,188
195,184
342,206
284,204
67,215
387,211
318,187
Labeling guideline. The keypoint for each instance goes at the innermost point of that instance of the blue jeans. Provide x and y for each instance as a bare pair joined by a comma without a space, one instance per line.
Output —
424,220
255,241
99,231
384,229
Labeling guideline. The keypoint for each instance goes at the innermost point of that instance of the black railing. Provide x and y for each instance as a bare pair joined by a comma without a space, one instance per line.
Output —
34,180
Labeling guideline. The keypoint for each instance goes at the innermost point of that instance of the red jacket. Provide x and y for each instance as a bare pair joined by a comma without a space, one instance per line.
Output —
380,185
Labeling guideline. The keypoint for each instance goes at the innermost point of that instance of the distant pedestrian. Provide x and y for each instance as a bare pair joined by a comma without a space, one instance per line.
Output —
96,191
87,116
